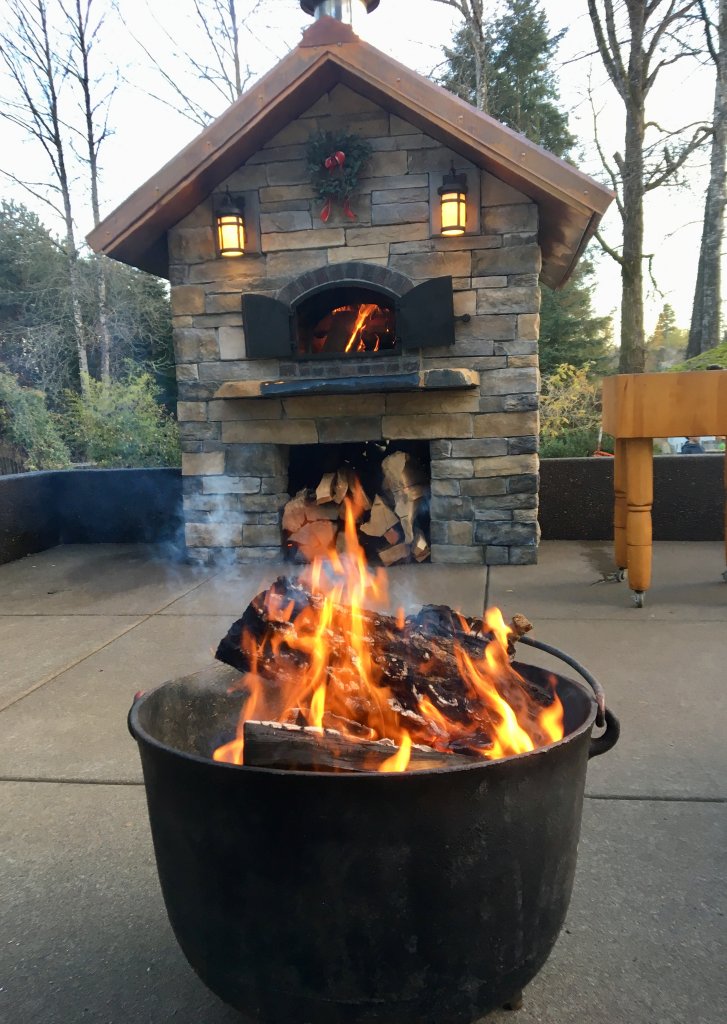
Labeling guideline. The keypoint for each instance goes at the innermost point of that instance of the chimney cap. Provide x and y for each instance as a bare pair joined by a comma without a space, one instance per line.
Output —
309,6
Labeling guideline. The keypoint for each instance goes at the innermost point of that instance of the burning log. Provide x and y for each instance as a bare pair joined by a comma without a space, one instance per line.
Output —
302,748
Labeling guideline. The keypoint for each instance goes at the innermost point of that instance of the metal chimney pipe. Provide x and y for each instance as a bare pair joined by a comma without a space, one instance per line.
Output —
343,10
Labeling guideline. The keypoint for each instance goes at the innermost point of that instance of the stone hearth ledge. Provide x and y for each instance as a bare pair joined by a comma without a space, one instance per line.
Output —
422,380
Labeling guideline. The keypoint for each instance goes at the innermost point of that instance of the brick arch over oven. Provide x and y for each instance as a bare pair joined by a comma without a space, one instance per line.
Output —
352,272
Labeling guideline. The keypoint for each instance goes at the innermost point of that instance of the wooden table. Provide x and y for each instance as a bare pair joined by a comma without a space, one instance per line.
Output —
636,409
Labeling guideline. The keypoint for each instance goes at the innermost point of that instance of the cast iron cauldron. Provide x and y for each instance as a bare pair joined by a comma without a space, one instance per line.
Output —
306,898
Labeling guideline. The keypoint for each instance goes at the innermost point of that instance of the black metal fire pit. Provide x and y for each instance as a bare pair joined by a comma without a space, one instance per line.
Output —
310,898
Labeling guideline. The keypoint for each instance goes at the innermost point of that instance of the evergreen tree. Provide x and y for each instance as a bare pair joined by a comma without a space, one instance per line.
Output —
523,94
668,343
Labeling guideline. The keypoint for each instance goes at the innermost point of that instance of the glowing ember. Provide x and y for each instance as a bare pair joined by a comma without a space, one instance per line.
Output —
323,666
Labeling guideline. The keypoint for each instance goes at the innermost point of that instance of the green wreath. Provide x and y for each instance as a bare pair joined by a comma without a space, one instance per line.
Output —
334,162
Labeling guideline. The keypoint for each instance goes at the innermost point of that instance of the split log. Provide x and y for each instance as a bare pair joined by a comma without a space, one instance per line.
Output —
398,553
401,470
341,485
381,519
300,748
294,513
324,490
395,535
420,548
315,539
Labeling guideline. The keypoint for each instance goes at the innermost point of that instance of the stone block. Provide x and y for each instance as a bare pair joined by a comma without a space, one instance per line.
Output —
245,178
335,430
505,465
290,172
196,411
187,300
192,245
440,449
217,303
427,427
481,487
360,252
528,326
231,341
212,535
270,431
261,536
368,126
444,508
274,154
400,213
465,302
439,161
509,381
521,238
508,300
338,406
384,196
519,362
384,234
253,556
199,432
504,501
493,515
203,463
527,445
446,488
421,266
231,485
274,485
452,469
290,264
519,259
496,556
257,460
199,217
239,369
439,403
525,515
262,504
453,554
510,424
461,532
480,447
493,328
496,220
526,483
187,372
380,165
286,193
516,347
504,533
518,403
245,409
498,193
343,100
291,220
242,273
489,282
524,556
316,238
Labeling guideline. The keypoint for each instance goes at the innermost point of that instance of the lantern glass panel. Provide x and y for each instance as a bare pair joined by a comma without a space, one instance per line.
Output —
230,234
454,213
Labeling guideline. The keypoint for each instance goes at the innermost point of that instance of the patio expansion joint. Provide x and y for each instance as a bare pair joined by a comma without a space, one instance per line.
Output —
89,654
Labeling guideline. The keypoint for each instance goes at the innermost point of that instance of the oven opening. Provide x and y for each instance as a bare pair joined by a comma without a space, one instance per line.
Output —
346,321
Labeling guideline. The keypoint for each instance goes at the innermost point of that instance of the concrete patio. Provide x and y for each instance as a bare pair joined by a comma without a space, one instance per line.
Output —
85,935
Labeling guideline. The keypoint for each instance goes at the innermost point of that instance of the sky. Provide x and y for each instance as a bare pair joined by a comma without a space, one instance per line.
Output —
147,134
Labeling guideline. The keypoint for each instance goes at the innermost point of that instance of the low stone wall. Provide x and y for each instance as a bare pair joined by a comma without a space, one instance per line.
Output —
89,506
576,498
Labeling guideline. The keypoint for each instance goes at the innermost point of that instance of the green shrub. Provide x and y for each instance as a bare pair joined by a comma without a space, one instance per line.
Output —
716,356
570,413
121,424
28,424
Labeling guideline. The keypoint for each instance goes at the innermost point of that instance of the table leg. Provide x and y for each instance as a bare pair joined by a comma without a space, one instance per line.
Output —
619,506
639,500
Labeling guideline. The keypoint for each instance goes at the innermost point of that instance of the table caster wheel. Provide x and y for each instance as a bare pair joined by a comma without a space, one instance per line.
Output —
620,574
638,598
724,575
516,1003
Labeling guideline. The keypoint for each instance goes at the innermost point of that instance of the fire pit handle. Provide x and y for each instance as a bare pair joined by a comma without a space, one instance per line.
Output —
600,744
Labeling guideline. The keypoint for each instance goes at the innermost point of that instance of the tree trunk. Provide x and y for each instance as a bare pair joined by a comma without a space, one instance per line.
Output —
632,355
704,332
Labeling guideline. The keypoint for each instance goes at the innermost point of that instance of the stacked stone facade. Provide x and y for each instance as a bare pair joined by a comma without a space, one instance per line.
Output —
483,442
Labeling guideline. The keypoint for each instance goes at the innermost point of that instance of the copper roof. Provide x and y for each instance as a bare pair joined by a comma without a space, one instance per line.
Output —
570,203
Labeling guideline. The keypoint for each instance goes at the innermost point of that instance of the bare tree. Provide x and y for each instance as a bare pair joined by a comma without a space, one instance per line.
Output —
200,85
704,332
473,15
636,40
37,74
84,22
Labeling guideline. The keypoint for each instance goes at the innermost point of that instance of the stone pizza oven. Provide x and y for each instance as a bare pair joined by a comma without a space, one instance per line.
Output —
448,360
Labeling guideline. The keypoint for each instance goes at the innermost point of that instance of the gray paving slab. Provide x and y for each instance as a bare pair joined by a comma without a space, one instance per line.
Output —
33,652
74,727
668,687
85,936
96,579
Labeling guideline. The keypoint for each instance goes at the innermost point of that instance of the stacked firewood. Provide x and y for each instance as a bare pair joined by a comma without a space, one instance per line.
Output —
387,524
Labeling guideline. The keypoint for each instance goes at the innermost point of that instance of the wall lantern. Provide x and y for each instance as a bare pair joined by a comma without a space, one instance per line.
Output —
230,224
453,202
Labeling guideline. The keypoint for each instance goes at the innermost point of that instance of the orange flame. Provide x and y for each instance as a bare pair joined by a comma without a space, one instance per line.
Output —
364,312
320,667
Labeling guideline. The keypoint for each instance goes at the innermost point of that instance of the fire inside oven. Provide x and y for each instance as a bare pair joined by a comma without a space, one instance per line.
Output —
346,321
